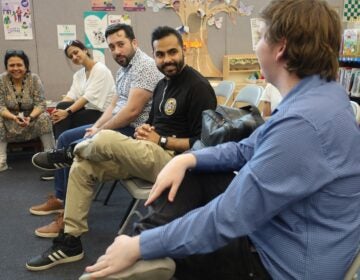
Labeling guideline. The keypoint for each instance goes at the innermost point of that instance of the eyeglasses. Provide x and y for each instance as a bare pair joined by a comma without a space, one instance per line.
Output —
71,43
15,52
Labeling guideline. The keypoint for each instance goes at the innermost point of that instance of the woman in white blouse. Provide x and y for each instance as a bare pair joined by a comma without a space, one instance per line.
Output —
270,99
90,93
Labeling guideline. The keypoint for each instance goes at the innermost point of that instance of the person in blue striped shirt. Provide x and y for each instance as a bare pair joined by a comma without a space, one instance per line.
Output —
292,210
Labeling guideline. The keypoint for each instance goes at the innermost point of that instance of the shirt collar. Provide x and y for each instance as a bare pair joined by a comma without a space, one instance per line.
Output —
135,59
299,90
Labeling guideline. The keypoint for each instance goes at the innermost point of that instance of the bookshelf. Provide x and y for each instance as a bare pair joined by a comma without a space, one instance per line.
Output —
349,60
243,69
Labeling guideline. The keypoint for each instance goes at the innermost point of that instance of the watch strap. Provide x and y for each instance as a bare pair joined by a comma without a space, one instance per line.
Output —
163,141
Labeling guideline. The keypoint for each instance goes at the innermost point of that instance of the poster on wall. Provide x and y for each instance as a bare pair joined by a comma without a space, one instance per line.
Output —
256,25
134,5
16,16
119,19
102,5
351,10
94,25
65,33
99,55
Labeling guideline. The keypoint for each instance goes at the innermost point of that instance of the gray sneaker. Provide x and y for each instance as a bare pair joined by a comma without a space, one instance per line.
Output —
53,160
159,269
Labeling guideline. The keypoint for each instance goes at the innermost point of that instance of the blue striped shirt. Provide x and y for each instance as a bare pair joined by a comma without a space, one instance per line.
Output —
297,193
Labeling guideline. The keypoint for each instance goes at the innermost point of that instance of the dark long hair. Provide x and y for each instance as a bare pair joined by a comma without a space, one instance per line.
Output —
76,43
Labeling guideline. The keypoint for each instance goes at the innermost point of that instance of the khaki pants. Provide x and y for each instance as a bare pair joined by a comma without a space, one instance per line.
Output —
109,155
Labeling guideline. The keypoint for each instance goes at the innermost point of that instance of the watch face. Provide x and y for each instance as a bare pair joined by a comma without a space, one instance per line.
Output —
163,140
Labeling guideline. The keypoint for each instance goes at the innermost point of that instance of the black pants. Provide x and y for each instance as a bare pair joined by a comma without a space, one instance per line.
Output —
237,260
78,118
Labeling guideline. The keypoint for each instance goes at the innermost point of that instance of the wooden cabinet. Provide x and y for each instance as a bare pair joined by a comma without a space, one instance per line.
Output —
243,69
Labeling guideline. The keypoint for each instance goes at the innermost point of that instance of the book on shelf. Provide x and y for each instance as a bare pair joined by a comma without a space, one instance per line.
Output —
355,89
351,42
349,78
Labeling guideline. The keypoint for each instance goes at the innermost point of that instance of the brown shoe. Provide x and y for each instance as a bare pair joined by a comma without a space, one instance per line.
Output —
52,205
51,230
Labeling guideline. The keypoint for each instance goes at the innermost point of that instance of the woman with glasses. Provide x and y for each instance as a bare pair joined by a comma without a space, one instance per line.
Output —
90,93
23,113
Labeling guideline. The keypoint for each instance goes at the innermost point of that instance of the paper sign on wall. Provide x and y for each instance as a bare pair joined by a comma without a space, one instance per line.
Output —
119,19
102,5
99,55
65,33
16,16
256,26
134,5
95,24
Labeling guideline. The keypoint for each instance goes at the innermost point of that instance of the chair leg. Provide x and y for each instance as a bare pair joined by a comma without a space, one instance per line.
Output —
131,211
98,191
110,192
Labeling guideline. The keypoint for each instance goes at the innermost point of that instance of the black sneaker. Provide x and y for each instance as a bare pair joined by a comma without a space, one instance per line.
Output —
55,159
47,176
66,248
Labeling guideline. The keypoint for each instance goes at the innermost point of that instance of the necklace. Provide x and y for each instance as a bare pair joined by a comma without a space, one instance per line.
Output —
18,95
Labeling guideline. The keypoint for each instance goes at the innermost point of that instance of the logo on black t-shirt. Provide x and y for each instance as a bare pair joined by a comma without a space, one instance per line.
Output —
170,106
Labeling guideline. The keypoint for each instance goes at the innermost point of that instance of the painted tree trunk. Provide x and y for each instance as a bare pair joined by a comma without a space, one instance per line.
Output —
194,14
197,53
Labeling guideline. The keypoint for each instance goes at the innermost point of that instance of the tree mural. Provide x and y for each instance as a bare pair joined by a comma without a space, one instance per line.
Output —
196,16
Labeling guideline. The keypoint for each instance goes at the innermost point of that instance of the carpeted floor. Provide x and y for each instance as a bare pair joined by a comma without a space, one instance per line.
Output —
21,188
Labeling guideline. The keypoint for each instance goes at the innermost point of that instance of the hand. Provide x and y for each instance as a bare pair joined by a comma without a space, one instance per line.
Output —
91,131
22,121
58,115
171,177
146,132
27,120
121,254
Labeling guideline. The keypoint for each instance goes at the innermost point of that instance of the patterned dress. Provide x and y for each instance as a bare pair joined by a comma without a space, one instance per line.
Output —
31,96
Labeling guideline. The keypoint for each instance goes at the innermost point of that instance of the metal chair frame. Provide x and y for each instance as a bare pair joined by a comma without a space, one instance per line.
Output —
250,94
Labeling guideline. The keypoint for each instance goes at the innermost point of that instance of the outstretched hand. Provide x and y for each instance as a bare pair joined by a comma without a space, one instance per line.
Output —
171,177
91,131
121,254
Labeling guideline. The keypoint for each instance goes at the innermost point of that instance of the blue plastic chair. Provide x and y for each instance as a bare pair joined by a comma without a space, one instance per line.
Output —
250,94
225,90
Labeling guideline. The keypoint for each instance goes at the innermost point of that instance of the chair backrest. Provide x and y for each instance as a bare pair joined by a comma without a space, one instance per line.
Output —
356,109
225,89
249,94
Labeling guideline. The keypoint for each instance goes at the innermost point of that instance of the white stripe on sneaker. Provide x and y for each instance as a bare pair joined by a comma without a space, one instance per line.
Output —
60,165
62,254
52,258
58,255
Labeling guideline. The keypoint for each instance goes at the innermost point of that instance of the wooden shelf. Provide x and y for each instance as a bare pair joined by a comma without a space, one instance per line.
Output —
245,71
238,68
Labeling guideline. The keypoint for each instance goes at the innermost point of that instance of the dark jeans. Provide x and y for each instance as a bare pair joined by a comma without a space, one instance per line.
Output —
237,260
70,138
78,118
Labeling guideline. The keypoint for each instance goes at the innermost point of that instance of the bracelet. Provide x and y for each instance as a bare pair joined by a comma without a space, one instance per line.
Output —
31,118
69,111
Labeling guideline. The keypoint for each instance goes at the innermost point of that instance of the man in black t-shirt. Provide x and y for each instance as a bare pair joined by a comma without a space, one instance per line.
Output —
173,126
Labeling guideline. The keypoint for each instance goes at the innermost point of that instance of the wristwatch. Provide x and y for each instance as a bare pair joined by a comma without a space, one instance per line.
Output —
69,111
31,118
163,141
